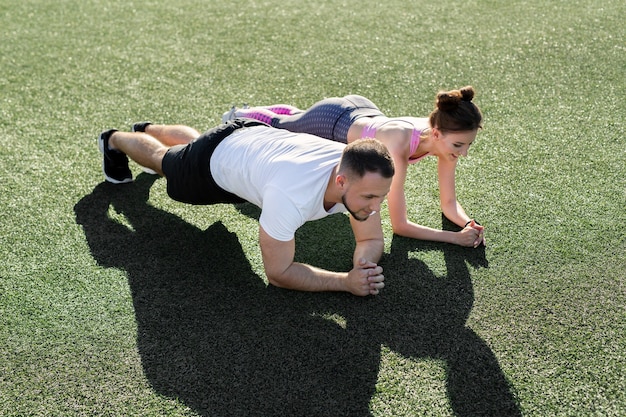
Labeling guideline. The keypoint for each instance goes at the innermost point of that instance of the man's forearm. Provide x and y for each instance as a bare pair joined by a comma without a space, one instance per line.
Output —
370,250
363,279
303,277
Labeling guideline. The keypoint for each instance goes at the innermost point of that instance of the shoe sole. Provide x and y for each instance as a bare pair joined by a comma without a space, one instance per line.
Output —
148,170
106,177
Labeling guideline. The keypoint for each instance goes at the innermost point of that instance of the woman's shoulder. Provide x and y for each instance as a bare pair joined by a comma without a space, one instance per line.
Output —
417,122
405,124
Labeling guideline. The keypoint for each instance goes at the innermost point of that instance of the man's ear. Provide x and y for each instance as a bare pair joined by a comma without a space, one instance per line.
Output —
340,180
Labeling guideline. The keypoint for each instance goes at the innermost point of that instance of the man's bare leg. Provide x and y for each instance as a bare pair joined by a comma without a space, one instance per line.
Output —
141,147
170,135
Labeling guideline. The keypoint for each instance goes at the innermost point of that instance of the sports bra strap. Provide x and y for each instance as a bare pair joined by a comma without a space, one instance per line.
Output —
369,131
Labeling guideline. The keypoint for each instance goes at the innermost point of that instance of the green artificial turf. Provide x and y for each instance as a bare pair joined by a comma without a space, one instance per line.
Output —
115,300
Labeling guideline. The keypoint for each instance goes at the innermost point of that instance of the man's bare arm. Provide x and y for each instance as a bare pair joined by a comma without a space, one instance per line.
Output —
370,241
282,271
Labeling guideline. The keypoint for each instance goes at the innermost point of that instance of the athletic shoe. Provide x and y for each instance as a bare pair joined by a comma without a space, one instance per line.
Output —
229,115
114,163
140,126
148,170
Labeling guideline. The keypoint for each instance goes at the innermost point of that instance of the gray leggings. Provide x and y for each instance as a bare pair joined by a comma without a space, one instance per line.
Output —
329,118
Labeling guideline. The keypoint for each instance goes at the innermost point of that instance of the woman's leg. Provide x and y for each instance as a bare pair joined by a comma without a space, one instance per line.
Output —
283,109
265,114
261,114
330,118
319,119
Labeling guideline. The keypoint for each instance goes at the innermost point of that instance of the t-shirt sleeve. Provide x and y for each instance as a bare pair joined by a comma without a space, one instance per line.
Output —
280,217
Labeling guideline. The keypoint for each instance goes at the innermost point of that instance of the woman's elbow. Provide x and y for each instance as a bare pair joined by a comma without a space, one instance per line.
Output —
400,228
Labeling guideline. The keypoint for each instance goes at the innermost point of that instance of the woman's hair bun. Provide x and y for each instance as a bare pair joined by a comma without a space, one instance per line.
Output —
455,111
467,93
450,100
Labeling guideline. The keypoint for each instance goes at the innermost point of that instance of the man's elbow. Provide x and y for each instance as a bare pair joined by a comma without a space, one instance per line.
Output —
277,278
276,281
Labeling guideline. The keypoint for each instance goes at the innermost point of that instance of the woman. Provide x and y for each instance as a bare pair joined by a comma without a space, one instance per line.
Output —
447,134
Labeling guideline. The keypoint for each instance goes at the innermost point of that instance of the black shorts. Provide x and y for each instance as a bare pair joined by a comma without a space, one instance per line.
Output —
187,167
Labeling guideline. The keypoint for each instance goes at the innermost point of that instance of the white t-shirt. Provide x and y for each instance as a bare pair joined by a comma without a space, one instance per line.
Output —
283,173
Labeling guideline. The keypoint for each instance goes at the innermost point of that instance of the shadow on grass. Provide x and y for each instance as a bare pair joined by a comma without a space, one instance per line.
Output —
426,318
213,335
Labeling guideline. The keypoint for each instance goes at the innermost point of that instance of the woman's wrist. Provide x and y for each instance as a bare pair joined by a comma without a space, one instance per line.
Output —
471,220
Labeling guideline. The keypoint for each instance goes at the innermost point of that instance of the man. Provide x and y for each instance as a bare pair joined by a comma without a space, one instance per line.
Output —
292,177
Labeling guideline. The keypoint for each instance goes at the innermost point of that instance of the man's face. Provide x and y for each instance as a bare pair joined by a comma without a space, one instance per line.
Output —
362,197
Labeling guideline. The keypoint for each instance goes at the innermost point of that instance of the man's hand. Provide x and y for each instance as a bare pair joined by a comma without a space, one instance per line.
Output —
366,278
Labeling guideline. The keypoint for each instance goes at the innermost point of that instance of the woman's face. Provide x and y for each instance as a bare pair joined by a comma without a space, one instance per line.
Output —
452,145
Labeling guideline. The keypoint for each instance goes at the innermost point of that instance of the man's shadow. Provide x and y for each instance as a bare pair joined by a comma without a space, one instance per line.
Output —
212,334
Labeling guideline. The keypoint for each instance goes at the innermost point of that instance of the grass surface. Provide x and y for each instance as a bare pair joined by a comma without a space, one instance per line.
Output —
119,301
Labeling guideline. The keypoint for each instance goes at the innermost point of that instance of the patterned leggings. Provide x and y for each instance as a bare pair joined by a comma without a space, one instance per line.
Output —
329,118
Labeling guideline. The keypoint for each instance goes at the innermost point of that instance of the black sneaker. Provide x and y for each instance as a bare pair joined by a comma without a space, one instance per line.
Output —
140,126
114,163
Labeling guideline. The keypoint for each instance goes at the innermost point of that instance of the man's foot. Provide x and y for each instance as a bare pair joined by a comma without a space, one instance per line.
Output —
229,115
114,163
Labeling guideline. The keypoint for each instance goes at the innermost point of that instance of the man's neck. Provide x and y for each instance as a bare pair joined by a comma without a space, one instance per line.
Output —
332,195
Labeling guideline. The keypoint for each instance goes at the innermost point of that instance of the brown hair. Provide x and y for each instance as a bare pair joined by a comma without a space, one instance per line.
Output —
366,155
455,111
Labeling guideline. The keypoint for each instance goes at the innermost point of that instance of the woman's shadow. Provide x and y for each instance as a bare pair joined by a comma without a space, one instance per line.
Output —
213,335
430,318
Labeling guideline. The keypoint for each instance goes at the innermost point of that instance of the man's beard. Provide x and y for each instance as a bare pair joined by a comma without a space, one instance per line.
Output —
361,219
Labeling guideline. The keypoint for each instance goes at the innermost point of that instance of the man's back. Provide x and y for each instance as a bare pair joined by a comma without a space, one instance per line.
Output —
284,173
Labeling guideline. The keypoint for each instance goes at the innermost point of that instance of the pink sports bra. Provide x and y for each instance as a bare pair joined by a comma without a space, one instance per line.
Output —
369,131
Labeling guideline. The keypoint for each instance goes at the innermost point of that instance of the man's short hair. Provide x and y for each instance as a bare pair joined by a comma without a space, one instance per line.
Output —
366,155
